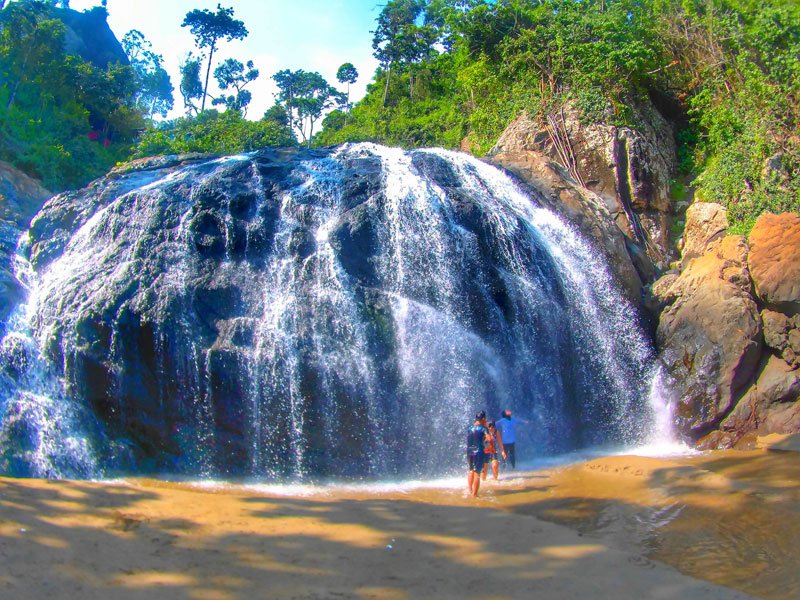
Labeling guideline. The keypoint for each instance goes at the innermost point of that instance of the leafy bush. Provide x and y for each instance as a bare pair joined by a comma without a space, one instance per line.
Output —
731,66
213,132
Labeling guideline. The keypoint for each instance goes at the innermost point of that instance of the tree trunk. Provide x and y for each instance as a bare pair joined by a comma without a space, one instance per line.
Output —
208,72
386,89
347,112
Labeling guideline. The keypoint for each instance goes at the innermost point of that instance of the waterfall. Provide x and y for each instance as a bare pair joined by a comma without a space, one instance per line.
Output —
331,313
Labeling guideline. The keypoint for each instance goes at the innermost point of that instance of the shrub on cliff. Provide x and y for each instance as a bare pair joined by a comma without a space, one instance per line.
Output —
214,132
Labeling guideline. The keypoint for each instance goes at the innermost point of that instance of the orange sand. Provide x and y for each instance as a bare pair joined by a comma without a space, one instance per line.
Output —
724,517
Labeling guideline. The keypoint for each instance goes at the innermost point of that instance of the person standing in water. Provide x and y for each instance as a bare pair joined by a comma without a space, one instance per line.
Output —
495,441
476,441
508,432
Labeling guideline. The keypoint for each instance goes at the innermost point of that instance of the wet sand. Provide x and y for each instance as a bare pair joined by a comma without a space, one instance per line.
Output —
621,527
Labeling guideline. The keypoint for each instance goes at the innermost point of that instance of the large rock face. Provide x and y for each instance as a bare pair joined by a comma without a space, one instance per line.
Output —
774,261
584,209
734,365
310,313
629,170
710,336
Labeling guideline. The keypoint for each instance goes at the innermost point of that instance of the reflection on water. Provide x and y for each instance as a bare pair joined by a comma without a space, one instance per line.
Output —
726,517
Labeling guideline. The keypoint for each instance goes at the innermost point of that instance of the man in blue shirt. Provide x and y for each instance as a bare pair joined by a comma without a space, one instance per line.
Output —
507,428
476,439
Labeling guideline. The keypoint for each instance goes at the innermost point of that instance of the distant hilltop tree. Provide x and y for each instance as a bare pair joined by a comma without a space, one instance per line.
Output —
154,87
232,74
208,28
305,97
348,74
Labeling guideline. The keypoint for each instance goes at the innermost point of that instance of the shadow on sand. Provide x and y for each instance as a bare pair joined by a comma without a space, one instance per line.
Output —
150,540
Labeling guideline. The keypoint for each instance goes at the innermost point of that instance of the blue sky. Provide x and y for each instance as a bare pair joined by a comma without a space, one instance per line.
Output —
313,35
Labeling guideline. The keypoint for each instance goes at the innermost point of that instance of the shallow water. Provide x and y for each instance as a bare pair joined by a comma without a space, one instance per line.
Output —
727,517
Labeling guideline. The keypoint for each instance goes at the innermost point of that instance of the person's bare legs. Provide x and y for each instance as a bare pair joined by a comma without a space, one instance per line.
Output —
495,469
485,470
476,485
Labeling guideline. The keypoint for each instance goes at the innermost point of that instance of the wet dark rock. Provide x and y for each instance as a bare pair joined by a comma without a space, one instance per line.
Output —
287,313
20,198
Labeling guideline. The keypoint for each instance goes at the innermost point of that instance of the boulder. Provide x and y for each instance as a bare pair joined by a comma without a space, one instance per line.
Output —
782,334
774,261
710,343
705,223
725,260
771,404
710,337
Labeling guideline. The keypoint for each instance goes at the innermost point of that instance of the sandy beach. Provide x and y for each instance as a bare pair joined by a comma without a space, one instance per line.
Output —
716,525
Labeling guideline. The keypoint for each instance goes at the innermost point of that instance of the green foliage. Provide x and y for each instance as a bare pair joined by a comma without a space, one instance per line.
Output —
62,119
305,97
213,132
154,89
208,28
731,67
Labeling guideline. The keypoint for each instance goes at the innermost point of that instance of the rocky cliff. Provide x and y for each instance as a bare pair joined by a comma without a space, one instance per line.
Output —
627,170
727,313
729,329
89,36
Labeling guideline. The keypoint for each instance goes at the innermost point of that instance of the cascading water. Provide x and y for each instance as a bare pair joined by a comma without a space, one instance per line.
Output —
336,313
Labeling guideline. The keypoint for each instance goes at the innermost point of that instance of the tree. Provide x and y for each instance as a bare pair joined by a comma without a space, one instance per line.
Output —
277,114
191,88
305,97
154,93
208,28
399,40
231,74
30,47
347,74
